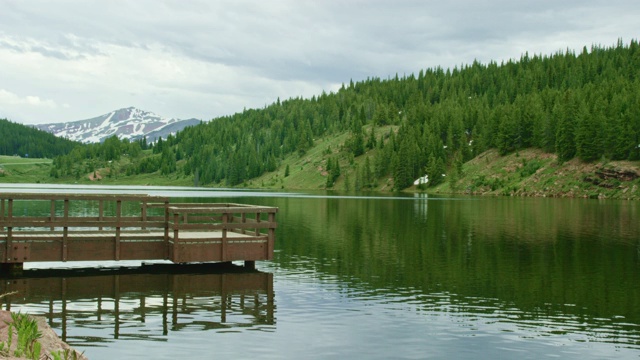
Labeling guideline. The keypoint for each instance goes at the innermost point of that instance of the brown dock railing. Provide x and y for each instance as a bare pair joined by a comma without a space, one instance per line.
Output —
78,227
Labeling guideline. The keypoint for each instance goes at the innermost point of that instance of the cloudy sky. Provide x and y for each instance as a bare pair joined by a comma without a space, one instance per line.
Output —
76,59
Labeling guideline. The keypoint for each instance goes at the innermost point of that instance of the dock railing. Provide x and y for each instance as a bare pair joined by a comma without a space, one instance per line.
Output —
224,231
150,228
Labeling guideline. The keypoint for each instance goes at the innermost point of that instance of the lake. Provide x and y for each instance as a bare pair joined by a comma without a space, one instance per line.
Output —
371,276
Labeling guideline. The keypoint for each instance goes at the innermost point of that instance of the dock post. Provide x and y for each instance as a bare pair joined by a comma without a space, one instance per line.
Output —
116,250
65,231
223,242
9,244
167,251
271,236
52,218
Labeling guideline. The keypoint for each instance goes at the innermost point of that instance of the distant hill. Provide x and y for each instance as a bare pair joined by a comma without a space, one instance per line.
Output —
128,123
25,141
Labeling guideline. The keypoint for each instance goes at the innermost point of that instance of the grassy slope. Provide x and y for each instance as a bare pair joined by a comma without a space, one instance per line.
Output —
529,172
23,170
308,172
14,169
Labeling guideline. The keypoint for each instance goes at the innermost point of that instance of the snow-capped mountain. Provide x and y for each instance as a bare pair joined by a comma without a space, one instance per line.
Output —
130,123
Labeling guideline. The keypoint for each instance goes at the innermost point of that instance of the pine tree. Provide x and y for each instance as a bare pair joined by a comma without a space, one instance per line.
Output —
367,175
371,141
565,141
347,183
588,135
402,170
358,181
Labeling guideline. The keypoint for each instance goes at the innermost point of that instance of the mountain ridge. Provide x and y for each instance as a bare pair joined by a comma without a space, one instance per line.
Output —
126,123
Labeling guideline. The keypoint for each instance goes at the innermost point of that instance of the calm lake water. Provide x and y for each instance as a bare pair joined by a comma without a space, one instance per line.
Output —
378,276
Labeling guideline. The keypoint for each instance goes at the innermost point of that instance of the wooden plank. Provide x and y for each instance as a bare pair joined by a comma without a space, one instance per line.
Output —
198,253
190,235
246,251
204,219
143,250
79,223
228,226
227,210
46,250
212,205
91,250
156,236
96,197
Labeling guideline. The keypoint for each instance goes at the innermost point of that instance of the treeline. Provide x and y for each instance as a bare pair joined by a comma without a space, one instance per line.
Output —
584,105
25,141
108,154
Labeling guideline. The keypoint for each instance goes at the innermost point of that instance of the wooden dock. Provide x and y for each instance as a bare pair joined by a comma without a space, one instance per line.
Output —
78,227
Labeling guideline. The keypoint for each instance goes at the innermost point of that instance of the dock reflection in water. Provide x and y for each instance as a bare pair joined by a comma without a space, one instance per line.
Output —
145,303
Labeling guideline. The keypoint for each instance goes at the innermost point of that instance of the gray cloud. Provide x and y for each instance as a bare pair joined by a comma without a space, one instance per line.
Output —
204,59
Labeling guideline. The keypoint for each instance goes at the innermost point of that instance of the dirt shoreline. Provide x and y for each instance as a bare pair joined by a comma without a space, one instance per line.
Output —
50,341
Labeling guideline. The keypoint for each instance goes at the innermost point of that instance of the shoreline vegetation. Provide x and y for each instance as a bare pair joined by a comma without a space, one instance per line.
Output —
529,172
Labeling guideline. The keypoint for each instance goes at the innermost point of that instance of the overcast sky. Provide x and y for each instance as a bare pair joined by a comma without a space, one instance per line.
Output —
71,60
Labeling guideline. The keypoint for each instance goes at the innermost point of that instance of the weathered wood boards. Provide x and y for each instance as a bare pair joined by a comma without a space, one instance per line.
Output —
77,227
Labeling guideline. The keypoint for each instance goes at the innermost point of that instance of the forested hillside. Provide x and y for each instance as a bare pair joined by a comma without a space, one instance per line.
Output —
17,139
584,105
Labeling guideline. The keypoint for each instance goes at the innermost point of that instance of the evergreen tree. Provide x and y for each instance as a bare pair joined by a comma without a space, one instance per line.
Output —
367,174
588,135
565,141
435,170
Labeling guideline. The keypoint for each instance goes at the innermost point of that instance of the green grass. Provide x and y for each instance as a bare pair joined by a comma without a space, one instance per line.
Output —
305,172
23,170
26,342
308,171
66,354
14,169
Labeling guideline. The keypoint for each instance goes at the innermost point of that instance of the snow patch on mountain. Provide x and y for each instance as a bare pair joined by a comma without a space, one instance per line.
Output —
128,123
